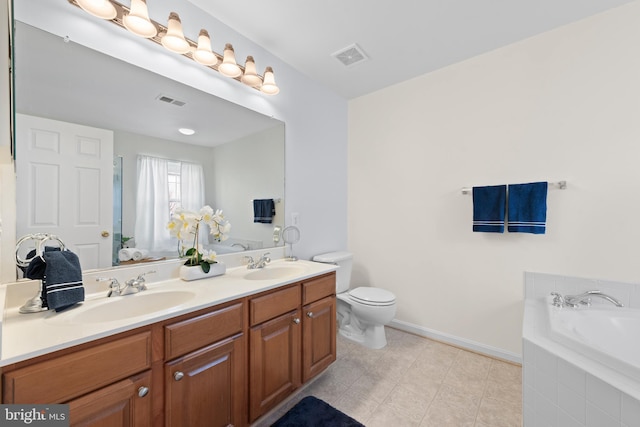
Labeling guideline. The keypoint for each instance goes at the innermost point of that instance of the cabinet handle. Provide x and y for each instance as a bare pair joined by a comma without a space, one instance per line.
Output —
143,391
310,314
296,320
178,376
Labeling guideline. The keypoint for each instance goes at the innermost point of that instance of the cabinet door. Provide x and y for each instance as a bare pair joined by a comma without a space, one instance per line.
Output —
274,362
125,403
207,387
319,337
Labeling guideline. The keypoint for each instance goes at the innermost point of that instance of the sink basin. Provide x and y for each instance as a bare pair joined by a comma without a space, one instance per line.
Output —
124,307
274,272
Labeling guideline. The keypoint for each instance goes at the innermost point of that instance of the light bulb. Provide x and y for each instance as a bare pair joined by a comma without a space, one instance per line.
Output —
203,53
269,86
137,20
100,8
174,39
250,76
229,67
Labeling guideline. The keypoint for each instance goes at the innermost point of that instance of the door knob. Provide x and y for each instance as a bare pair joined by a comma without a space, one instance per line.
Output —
105,233
178,376
143,391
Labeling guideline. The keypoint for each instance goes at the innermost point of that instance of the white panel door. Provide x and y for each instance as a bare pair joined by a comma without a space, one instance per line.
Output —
65,186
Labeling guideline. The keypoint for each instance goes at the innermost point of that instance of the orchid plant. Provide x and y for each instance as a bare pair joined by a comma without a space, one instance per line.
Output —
185,225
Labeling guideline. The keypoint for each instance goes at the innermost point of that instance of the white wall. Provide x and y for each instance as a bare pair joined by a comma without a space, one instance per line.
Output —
316,119
562,105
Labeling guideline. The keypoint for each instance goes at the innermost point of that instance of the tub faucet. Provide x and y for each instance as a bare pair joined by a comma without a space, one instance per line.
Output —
264,259
585,299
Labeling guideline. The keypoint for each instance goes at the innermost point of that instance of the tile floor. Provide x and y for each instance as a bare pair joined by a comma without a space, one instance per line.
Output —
415,381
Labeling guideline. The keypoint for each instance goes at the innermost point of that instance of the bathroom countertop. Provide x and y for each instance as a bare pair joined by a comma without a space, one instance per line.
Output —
24,336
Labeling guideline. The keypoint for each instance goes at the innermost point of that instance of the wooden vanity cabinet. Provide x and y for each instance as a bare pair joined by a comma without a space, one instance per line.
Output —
106,384
292,338
222,366
205,382
126,403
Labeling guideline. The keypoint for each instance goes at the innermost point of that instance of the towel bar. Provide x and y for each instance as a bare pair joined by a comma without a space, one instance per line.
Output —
560,185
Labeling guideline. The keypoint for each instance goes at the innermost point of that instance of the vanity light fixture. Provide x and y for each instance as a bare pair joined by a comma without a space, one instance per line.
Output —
100,8
203,53
136,20
229,67
186,131
250,77
174,38
269,85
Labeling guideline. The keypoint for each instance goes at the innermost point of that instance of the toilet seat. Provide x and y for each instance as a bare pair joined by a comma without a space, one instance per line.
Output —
372,296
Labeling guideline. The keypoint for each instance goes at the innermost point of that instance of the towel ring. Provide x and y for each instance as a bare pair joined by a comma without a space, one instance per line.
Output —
40,238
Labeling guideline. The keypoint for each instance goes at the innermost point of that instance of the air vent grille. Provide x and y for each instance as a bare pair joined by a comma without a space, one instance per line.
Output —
170,100
351,55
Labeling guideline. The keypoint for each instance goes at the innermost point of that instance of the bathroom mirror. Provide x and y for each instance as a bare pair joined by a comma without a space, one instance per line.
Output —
63,81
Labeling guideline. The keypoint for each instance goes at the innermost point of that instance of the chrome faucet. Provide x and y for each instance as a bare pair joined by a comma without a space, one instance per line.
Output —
575,301
585,299
131,286
264,259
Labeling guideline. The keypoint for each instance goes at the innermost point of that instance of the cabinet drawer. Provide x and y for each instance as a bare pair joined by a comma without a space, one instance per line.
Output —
318,288
274,304
186,336
63,378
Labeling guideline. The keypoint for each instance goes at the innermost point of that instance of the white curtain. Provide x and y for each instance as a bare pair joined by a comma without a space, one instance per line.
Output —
192,186
192,193
152,206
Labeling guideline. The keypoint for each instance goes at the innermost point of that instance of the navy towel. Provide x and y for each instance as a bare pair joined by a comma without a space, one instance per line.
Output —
63,279
527,208
263,210
488,208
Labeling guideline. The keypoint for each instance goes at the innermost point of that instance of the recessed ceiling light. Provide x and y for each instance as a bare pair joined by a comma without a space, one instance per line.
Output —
186,131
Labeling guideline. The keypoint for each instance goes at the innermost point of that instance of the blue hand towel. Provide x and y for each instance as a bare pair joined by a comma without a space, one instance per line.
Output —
263,210
527,208
63,279
488,208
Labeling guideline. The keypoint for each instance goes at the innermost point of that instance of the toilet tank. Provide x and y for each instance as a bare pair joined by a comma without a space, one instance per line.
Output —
343,275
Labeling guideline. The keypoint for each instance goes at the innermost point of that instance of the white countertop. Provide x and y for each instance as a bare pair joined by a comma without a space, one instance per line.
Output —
28,335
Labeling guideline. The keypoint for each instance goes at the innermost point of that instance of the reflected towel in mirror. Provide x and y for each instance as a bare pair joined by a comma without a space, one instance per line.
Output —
263,210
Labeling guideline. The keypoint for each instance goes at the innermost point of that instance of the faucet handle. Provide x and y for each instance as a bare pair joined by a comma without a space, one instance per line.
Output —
114,285
558,300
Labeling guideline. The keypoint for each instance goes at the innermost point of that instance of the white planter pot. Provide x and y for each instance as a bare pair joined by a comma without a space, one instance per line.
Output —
195,272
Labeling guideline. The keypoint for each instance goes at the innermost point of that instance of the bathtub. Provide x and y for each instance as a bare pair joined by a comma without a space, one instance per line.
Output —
606,334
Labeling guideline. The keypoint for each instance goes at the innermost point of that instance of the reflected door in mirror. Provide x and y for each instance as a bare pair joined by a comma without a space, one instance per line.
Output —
64,185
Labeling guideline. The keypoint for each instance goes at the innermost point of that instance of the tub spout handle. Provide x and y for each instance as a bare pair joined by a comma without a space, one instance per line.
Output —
558,300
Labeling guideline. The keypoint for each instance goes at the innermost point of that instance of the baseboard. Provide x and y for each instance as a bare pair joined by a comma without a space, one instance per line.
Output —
456,341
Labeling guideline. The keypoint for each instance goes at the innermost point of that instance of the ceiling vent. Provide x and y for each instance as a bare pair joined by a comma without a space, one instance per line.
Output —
350,55
169,100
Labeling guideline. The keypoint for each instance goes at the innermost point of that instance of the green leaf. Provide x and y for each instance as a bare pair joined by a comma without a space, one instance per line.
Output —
205,266
190,251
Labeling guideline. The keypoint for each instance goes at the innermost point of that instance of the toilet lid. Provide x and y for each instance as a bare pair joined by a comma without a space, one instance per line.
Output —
372,296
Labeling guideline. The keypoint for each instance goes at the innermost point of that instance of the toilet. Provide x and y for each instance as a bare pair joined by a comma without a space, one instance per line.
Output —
362,312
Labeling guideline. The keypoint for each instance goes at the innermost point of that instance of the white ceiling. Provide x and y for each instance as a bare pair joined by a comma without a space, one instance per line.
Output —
403,38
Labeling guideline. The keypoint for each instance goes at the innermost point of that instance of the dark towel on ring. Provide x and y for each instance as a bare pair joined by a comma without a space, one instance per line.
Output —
63,279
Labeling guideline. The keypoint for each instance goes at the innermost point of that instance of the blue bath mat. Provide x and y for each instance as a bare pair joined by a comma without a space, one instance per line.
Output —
313,412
